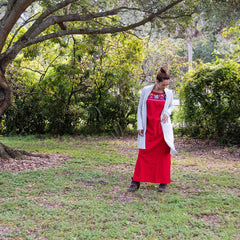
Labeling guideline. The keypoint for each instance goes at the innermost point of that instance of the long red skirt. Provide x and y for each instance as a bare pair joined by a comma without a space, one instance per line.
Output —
154,163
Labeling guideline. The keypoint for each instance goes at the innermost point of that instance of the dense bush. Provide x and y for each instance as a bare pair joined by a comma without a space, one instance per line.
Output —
210,97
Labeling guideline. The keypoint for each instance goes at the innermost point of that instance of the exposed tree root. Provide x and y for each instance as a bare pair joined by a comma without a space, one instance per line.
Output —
7,152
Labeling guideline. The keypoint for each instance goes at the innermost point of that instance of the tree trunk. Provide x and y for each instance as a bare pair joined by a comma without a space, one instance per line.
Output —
5,93
5,102
6,152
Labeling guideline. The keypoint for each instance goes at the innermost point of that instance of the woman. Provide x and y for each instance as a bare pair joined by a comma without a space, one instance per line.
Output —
155,134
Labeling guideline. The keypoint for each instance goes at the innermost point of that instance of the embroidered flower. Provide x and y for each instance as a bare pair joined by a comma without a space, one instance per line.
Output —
157,96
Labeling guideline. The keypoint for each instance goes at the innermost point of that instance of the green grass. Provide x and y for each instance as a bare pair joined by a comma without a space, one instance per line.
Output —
86,198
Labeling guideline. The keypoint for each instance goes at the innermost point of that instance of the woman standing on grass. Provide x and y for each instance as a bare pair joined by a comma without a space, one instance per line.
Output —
155,134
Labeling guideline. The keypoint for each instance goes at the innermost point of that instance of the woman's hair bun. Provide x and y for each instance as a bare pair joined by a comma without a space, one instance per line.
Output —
163,74
163,69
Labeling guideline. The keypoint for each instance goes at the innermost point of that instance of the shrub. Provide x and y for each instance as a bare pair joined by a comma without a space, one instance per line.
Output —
210,97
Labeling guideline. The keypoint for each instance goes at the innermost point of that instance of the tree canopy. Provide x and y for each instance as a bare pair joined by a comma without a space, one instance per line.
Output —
24,23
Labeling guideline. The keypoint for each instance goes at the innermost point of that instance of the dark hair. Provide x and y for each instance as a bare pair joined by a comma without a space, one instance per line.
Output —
163,74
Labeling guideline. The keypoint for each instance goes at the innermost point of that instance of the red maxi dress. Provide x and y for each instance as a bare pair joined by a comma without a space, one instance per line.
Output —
154,163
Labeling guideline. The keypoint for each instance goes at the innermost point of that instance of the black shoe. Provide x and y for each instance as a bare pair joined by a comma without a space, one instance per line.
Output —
134,186
162,187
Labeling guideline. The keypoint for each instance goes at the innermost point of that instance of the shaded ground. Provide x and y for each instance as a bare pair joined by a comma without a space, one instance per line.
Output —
32,163
210,149
195,147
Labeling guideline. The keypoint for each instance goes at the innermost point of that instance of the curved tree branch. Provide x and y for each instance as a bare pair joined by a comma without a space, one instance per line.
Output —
75,17
70,18
27,40
16,32
14,11
45,14
176,17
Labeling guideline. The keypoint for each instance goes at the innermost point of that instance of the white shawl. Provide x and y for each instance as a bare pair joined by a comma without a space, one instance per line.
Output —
142,118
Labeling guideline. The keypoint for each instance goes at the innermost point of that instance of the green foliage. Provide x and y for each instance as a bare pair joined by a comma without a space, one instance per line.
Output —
93,88
234,34
2,127
211,101
211,45
204,48
24,116
165,52
114,77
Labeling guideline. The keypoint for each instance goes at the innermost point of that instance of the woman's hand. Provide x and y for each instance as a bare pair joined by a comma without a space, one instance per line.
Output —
140,132
165,118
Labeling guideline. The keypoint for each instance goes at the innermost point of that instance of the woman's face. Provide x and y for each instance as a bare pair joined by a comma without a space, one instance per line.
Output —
160,86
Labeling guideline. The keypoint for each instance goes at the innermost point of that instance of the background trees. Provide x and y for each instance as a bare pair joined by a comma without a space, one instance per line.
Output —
63,83
24,23
93,86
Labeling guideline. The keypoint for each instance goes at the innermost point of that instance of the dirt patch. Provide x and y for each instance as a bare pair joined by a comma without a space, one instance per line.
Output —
212,220
198,147
127,146
32,163
208,149
92,183
4,230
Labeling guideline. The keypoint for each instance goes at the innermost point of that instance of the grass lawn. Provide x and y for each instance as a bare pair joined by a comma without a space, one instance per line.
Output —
84,196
